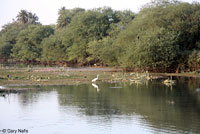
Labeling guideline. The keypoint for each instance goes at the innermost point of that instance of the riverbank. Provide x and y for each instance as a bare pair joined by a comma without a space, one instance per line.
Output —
54,75
70,76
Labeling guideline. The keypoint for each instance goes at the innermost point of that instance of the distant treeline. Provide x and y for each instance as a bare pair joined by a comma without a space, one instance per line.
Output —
164,36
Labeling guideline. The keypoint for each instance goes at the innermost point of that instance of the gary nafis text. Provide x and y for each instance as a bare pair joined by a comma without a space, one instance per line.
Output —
13,131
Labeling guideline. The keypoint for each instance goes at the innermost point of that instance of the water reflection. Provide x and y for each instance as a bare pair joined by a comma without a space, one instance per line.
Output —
117,107
96,86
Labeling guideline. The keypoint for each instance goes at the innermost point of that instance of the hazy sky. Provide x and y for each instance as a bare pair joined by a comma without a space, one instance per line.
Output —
47,10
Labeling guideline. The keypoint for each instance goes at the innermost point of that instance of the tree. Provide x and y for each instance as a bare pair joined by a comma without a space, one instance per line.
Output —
28,46
22,17
159,35
25,17
65,16
54,48
156,49
85,27
125,17
8,38
10,31
103,51
32,18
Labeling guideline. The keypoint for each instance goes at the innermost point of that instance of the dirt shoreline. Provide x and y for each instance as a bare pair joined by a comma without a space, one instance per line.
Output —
70,76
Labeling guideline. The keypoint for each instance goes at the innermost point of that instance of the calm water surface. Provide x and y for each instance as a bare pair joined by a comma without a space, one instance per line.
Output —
118,108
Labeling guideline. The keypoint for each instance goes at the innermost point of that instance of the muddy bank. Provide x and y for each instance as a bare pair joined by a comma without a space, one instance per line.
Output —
70,76
54,75
190,74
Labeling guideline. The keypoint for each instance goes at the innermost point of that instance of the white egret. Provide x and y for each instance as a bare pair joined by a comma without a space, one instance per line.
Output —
95,79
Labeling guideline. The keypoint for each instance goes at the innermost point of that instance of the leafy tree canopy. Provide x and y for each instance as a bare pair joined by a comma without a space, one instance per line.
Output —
160,34
28,46
65,16
25,17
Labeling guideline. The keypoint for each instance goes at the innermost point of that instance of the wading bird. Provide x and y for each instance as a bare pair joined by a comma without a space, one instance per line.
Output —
95,79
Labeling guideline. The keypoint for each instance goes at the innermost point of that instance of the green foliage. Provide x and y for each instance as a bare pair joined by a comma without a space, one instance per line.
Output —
85,27
25,17
28,46
8,38
194,60
5,50
10,32
154,49
164,35
160,35
53,48
103,51
66,15
125,16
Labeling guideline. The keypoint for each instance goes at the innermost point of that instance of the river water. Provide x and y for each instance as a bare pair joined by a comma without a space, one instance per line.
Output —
112,108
